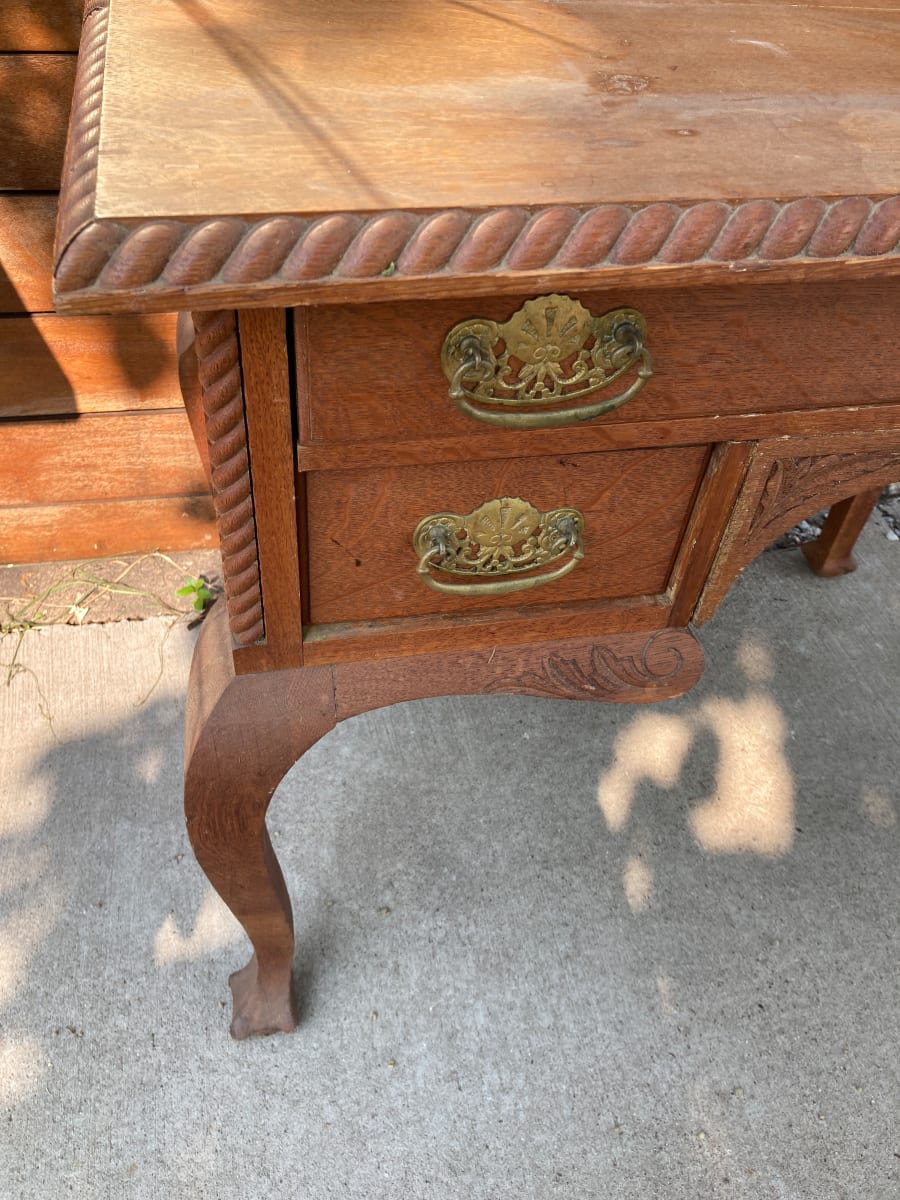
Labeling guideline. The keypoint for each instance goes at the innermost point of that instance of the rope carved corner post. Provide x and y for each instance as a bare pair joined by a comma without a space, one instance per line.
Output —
219,371
242,734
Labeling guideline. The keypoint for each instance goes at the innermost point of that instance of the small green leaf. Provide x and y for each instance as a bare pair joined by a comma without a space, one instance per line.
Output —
199,590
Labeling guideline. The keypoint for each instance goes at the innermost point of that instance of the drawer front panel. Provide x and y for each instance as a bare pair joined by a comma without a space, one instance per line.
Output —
373,372
361,564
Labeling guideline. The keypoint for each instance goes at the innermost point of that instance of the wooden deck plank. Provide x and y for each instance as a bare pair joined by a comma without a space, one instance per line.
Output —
35,98
99,457
59,532
27,223
55,366
40,24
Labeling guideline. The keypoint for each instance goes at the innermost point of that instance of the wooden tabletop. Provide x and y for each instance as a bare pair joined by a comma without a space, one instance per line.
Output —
424,120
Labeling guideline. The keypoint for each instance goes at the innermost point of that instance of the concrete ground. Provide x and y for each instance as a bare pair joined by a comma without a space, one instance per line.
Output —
545,949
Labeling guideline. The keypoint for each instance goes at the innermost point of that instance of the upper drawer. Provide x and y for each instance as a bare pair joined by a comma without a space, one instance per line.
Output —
373,372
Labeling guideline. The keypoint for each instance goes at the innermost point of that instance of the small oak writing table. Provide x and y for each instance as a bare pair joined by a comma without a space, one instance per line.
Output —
512,331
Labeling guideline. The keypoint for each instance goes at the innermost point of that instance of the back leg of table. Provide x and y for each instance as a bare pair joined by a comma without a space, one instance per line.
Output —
831,553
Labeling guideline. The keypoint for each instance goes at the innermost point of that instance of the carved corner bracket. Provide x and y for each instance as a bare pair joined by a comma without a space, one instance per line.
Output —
782,491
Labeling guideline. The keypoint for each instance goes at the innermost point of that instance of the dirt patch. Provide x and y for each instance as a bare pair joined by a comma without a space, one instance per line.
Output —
127,588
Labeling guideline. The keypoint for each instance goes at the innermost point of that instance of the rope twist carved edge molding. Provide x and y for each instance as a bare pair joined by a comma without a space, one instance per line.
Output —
793,488
168,255
289,250
79,175
218,363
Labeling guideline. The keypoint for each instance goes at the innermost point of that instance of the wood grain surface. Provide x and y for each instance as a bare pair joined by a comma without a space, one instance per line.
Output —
597,435
774,160
399,637
35,97
37,533
468,106
361,561
54,366
26,252
716,352
105,457
262,334
40,24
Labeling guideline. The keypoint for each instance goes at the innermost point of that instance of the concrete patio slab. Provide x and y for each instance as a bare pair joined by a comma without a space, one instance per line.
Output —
545,949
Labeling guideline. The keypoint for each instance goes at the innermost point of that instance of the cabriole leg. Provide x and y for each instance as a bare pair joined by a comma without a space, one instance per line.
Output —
243,734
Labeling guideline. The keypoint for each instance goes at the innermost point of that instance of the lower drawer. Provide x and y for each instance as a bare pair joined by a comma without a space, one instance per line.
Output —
361,564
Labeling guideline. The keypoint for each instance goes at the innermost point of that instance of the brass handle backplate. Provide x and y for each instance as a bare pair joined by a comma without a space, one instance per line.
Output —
496,545
550,353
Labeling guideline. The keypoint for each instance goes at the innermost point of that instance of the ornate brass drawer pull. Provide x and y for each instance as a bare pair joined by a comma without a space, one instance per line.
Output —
500,539
552,351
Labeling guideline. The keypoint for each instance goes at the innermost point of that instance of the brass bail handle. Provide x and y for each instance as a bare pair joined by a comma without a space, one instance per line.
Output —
496,544
474,363
554,352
